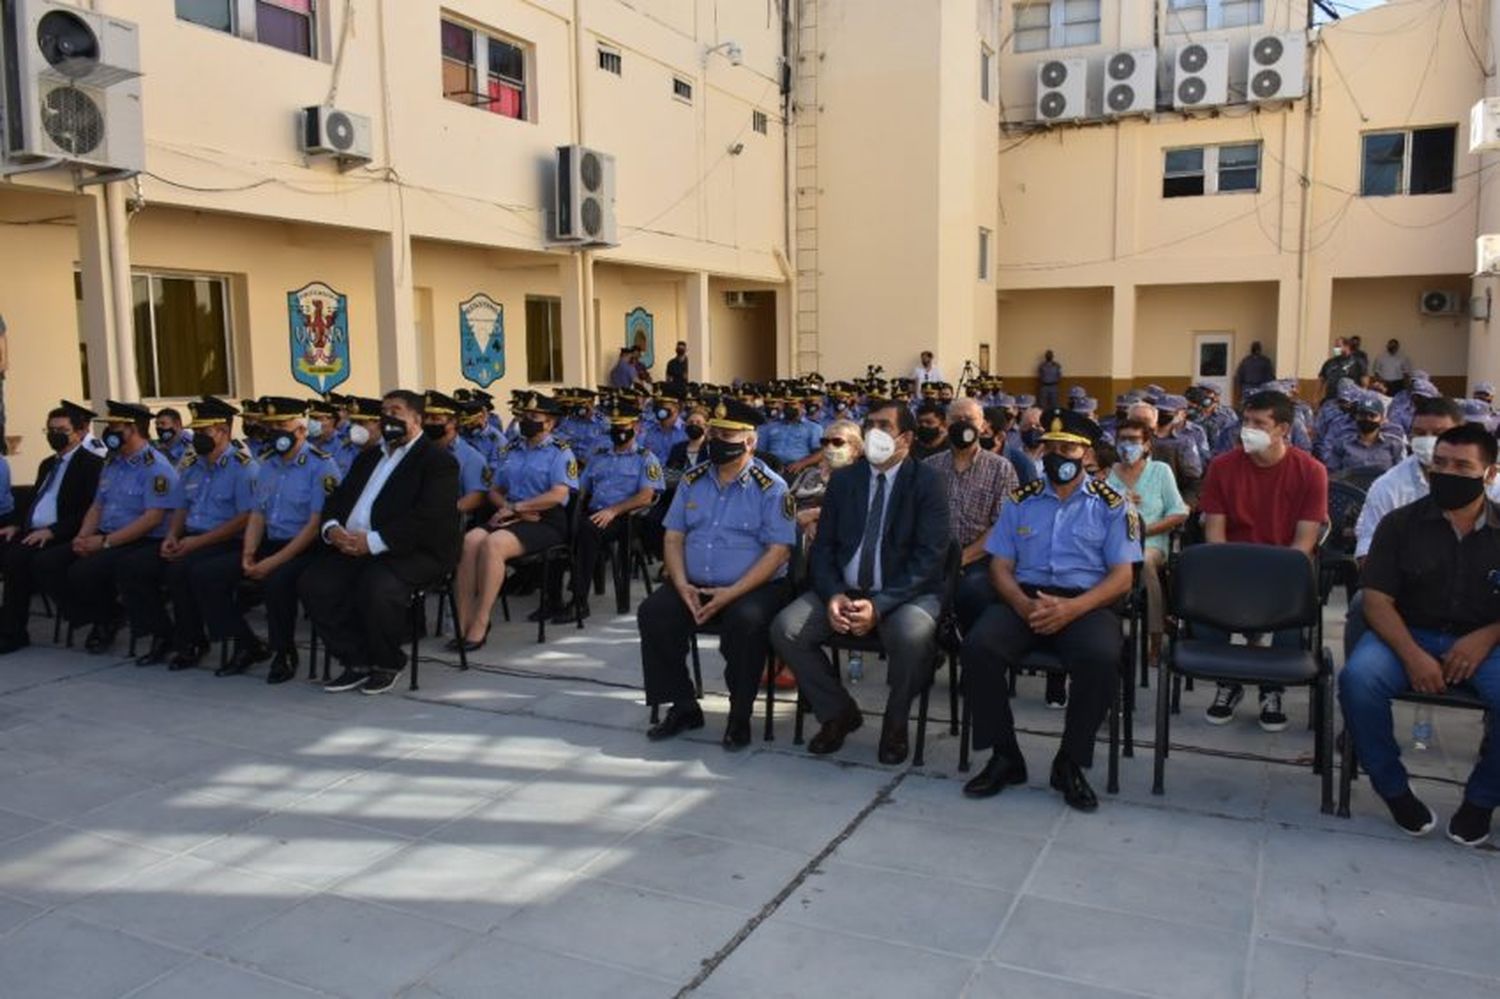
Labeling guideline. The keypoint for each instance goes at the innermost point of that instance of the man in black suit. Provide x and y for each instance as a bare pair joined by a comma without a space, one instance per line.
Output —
65,485
876,565
391,527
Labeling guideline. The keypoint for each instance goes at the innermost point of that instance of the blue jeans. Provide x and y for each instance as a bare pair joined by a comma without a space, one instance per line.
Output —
1289,638
1373,676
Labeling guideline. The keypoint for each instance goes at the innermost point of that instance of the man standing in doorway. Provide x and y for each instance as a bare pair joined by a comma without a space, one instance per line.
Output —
677,369
1392,368
1049,377
1255,370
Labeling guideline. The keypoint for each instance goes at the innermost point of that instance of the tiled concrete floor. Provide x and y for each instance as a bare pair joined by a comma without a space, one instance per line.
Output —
510,832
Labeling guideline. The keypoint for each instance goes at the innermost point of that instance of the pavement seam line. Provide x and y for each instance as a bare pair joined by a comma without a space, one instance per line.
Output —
712,963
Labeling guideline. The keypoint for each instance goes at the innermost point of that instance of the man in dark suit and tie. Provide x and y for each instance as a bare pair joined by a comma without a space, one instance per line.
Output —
875,565
391,527
65,485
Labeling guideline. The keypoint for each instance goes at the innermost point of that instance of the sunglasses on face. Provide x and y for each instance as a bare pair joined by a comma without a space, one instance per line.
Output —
833,442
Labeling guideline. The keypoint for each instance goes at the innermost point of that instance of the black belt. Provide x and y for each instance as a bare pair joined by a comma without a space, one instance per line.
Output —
1055,591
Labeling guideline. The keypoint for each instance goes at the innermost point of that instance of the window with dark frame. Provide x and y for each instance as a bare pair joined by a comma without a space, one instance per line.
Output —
984,254
986,73
1204,170
682,89
464,51
610,61
1408,161
544,356
289,25
1183,175
759,122
182,334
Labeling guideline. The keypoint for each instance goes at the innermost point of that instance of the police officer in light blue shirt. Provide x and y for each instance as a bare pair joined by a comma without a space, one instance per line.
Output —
1062,557
171,438
730,531
1376,445
792,439
580,428
278,544
440,424
137,490
361,430
662,429
218,487
619,479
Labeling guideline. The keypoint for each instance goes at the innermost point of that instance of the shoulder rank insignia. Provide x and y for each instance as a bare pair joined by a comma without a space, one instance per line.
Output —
559,443
187,460
318,452
159,485
695,473
653,472
1104,492
1030,489
148,456
241,457
789,506
762,477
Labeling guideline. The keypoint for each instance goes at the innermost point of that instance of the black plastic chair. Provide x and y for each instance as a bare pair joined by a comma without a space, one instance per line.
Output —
1248,588
1336,562
871,643
555,558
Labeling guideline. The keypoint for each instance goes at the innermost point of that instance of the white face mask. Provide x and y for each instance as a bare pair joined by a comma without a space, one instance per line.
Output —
315,428
1423,447
1254,439
838,457
880,446
1492,489
358,435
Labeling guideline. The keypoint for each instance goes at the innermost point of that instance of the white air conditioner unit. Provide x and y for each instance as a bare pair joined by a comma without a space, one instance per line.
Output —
1484,125
1061,89
1487,256
1440,303
70,87
585,201
1130,82
1200,75
739,299
341,134
1276,67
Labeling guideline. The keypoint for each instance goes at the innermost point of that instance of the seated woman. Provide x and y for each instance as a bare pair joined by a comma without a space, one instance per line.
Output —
1152,491
842,445
530,494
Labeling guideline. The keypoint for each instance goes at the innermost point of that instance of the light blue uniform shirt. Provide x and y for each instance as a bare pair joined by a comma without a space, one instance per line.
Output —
474,475
791,442
289,492
726,529
659,440
612,477
175,451
531,470
582,434
216,492
128,487
1065,545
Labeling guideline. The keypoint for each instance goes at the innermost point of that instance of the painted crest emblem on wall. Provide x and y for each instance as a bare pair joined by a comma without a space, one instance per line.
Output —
640,332
481,339
319,322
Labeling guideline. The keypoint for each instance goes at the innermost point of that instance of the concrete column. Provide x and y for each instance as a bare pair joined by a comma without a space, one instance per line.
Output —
1283,348
697,332
1121,343
98,313
127,385
575,281
395,313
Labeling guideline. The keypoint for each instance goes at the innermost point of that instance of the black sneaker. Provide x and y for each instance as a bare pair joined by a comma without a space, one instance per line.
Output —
1272,718
1057,691
1414,818
349,679
1470,825
1226,699
380,681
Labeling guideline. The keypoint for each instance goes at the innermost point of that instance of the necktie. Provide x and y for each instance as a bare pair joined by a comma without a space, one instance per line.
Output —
866,577
42,490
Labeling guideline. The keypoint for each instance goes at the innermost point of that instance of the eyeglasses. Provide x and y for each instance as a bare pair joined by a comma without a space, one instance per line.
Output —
833,442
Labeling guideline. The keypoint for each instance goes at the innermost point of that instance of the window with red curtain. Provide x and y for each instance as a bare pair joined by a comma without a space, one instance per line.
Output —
507,79
286,24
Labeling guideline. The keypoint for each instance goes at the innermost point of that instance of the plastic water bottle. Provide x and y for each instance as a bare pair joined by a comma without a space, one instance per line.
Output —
856,667
1421,729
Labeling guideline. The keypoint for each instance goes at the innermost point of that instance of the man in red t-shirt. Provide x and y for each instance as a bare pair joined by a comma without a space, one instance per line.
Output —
1264,493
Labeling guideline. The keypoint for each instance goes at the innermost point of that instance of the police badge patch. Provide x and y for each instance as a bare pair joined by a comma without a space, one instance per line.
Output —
653,472
160,485
330,483
789,506
1132,525
573,468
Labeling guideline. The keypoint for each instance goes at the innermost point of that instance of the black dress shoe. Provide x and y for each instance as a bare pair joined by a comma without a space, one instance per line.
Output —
571,613
736,734
1068,778
676,721
830,738
894,745
99,640
243,659
283,667
160,651
188,659
1000,772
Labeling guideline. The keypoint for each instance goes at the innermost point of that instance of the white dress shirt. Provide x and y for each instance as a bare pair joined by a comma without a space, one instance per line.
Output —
44,513
1401,484
359,517
922,375
851,568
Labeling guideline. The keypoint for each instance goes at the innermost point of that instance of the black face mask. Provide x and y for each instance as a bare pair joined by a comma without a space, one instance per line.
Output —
725,452
434,431
1454,492
928,434
166,436
1031,436
621,435
114,440
203,445
1165,419
987,443
392,430
582,412
57,440
282,441
791,415
1367,426
693,431
962,434
530,428
1060,470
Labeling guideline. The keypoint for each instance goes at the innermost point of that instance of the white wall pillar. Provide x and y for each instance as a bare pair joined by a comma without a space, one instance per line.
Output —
575,279
1288,321
98,310
395,314
696,332
1121,339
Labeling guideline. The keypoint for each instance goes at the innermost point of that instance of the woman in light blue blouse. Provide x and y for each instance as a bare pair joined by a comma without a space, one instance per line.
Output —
1152,491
